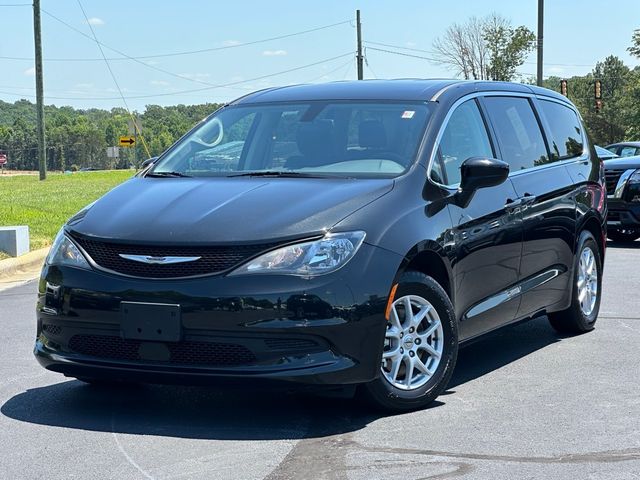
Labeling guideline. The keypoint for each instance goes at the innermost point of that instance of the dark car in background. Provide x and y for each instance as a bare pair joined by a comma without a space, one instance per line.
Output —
625,149
351,233
623,198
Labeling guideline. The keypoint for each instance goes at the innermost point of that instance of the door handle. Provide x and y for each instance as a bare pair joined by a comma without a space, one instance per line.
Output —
528,199
520,202
512,204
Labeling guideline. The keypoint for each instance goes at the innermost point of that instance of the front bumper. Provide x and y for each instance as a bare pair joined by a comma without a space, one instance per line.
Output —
623,214
327,330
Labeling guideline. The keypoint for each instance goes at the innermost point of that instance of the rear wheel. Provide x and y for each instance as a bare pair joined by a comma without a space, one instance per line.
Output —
420,346
581,316
623,236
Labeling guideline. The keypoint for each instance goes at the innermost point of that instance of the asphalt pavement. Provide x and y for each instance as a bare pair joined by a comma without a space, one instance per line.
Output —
523,404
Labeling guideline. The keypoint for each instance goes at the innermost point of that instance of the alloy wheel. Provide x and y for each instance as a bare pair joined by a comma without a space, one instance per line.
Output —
414,342
587,281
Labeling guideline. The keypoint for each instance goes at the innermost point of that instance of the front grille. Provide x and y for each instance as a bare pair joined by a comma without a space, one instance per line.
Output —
180,353
612,177
213,259
52,329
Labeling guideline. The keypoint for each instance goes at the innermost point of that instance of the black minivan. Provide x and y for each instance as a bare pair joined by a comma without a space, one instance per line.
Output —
331,235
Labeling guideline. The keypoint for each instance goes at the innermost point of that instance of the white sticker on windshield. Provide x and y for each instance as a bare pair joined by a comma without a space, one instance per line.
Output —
408,113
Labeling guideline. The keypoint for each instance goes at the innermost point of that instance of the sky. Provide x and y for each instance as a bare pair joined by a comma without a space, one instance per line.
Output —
577,34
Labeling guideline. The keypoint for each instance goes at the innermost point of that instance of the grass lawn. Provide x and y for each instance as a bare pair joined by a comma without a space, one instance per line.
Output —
45,206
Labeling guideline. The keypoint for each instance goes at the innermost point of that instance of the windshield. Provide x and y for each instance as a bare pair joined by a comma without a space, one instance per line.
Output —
362,139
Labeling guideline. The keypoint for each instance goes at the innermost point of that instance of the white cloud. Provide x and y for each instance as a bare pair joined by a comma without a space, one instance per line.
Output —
84,85
95,21
274,53
231,43
159,83
30,72
411,44
196,76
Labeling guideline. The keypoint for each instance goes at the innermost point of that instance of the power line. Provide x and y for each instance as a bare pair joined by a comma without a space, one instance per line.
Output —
399,53
174,54
115,81
427,51
166,72
397,46
324,74
195,90
100,44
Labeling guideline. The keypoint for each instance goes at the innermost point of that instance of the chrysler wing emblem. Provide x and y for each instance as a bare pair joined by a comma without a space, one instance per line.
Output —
158,260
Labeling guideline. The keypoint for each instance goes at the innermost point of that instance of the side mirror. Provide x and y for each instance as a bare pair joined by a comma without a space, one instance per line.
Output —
479,172
149,161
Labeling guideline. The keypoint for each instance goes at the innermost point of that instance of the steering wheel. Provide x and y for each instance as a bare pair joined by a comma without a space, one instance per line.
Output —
214,122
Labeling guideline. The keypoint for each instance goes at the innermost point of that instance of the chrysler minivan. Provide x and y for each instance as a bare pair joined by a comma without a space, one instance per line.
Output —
350,233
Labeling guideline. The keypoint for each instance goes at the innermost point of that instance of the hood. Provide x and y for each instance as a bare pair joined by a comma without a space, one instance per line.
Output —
224,210
622,163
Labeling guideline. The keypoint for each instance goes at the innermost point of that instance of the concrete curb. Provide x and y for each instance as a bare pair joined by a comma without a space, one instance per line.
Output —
30,261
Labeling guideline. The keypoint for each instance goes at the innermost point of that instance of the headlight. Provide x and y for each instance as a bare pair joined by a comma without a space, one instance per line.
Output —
307,259
64,252
635,177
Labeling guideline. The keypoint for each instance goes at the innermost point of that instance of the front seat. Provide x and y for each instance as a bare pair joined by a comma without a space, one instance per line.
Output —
316,143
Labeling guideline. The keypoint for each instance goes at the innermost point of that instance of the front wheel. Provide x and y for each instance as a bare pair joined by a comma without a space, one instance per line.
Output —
581,316
420,346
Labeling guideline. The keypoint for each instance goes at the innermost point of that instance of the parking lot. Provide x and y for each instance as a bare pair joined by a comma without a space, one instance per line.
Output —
524,403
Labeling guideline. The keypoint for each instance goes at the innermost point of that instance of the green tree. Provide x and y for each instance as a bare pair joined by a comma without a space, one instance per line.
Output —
507,47
634,49
484,49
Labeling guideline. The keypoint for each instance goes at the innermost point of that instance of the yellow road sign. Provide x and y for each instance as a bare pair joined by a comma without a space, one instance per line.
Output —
127,141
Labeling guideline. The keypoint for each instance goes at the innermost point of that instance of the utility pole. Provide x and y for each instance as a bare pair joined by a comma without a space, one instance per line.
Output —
42,158
540,30
359,57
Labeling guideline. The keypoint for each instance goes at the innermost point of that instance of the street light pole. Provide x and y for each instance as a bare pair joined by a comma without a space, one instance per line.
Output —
540,30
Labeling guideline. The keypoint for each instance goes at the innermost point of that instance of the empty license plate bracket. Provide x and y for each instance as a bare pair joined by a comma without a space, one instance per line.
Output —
158,322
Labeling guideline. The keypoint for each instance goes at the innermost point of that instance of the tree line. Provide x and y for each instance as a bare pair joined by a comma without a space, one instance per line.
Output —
79,138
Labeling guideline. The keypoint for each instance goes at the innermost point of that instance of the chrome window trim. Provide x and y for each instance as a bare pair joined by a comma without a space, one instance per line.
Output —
498,93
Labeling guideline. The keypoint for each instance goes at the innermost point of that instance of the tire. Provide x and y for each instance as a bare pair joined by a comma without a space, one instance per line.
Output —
418,346
581,317
623,236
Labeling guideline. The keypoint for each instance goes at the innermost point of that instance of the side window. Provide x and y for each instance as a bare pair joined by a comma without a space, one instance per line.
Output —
627,152
464,136
519,135
566,131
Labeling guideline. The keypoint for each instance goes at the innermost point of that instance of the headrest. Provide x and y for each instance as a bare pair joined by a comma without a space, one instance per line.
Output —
371,134
315,137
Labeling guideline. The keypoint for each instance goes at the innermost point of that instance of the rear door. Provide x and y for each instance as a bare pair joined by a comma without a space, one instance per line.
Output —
544,195
486,235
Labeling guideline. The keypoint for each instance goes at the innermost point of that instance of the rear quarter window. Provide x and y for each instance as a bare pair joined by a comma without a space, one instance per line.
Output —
566,130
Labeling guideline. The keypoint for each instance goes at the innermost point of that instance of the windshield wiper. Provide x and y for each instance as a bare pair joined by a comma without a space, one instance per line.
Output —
167,174
279,173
